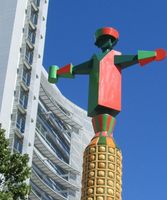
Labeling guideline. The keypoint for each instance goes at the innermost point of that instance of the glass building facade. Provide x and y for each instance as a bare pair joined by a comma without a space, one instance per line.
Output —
37,118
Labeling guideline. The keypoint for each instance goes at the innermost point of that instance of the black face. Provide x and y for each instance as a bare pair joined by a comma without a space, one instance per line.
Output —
106,42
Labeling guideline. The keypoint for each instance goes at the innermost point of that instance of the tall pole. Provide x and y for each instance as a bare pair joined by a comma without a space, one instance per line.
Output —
102,163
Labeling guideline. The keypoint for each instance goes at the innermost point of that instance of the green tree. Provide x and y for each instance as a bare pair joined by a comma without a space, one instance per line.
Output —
14,171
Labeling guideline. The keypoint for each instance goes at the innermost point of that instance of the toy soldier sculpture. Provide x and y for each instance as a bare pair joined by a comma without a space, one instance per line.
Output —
102,162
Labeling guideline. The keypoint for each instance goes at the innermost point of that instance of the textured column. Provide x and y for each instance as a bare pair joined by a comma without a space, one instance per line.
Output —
102,163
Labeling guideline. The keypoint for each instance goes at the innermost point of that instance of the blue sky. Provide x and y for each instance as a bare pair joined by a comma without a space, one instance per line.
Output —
141,129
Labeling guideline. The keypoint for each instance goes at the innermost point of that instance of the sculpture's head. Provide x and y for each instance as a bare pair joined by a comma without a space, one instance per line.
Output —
106,38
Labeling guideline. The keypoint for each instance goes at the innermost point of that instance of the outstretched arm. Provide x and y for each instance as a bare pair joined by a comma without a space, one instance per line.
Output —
68,71
83,68
143,57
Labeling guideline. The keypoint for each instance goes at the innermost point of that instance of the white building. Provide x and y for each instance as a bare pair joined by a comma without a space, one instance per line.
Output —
37,118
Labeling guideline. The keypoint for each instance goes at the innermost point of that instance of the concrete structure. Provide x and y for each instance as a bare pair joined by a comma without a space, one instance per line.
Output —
62,133
37,118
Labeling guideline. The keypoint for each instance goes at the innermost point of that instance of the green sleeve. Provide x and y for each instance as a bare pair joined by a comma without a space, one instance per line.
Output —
143,58
83,68
124,61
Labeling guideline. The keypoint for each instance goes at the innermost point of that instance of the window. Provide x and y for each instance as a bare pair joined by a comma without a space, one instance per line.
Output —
29,55
36,2
18,145
23,100
58,169
31,35
62,109
34,16
26,76
20,123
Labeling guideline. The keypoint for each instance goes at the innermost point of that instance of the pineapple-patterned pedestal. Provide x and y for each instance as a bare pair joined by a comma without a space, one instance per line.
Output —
102,164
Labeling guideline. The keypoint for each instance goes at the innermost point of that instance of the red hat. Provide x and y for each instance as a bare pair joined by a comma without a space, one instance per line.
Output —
107,31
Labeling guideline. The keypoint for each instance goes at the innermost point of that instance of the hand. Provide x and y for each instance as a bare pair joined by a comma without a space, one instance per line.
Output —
160,54
52,78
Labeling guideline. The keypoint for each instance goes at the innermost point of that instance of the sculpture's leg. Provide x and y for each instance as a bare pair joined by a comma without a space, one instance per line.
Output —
102,163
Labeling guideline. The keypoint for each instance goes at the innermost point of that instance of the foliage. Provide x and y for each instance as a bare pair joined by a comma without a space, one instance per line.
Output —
14,171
